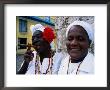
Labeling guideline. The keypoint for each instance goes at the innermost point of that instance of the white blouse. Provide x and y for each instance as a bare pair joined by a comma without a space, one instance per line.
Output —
84,67
35,66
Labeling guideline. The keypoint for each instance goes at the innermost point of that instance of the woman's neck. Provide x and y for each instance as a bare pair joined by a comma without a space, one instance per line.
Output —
79,59
46,54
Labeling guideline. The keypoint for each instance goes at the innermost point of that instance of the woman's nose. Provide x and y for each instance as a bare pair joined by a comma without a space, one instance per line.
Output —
74,42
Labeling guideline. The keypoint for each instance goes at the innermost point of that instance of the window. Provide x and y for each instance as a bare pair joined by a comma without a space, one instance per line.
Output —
22,25
22,43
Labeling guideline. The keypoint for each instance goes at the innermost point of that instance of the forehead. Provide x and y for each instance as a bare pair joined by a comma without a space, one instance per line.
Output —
37,33
77,30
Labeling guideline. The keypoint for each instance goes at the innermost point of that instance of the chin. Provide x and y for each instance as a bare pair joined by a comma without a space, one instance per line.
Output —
75,56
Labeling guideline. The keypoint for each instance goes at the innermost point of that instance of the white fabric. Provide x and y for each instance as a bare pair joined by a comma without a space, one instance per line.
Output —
57,58
31,66
37,27
85,25
86,67
43,67
72,69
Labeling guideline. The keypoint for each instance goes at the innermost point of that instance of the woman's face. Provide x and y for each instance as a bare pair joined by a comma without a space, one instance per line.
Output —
40,45
77,42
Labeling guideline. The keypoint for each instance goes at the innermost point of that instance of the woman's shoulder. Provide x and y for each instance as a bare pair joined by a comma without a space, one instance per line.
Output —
88,63
65,60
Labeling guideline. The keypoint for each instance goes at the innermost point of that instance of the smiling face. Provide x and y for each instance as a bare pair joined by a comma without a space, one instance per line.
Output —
77,42
39,43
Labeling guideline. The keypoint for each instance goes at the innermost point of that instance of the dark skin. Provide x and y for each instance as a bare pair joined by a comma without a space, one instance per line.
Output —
41,46
77,43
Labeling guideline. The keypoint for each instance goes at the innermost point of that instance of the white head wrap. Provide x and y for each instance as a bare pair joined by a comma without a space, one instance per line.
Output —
85,25
37,27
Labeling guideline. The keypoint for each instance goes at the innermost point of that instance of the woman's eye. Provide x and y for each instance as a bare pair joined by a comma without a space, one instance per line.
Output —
80,38
69,39
33,38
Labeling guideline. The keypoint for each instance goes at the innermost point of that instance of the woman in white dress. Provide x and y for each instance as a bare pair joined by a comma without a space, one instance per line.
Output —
40,60
79,60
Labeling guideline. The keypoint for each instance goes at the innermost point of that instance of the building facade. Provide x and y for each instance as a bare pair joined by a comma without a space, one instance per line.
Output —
23,32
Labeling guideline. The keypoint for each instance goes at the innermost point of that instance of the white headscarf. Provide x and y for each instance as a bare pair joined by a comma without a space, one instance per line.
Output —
37,27
85,25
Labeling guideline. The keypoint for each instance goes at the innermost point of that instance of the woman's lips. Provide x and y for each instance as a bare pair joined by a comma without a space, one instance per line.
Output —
74,49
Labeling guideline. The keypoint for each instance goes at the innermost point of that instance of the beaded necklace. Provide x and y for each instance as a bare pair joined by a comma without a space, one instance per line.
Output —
38,68
77,67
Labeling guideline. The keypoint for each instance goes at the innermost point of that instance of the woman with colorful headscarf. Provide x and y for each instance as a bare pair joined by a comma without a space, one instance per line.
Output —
39,61
79,36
